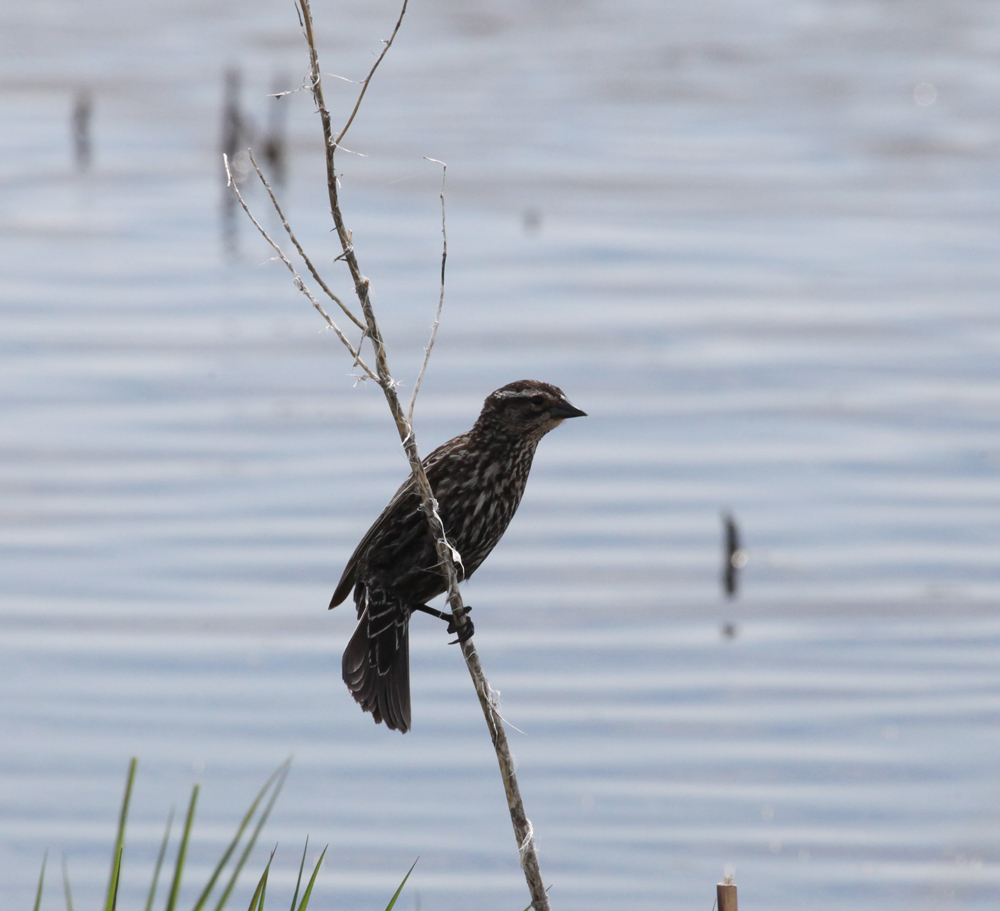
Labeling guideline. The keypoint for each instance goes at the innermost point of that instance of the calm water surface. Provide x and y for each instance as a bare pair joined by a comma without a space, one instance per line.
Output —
738,235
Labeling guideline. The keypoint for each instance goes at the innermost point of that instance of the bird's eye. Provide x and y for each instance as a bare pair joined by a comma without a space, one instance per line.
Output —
537,400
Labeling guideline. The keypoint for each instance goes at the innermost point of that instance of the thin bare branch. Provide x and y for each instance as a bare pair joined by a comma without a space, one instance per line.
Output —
445,552
362,286
437,315
305,86
295,275
368,78
298,246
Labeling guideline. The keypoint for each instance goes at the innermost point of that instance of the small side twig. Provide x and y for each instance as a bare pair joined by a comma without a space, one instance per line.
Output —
371,72
437,314
298,246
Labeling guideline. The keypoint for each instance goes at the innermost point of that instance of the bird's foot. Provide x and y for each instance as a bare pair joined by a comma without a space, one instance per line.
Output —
467,628
464,631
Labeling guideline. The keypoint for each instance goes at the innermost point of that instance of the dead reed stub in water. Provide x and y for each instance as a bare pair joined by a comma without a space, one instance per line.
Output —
83,109
733,556
725,894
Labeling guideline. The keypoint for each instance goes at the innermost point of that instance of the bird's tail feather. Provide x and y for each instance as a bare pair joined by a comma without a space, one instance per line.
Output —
376,665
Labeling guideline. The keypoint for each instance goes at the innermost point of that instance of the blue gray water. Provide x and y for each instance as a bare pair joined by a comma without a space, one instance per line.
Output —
756,242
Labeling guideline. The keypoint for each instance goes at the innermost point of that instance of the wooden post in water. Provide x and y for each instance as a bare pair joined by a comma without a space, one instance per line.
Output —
726,894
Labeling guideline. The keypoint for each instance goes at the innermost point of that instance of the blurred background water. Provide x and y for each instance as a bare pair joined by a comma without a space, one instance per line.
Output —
757,243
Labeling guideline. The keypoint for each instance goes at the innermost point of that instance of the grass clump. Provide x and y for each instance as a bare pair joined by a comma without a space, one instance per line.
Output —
218,890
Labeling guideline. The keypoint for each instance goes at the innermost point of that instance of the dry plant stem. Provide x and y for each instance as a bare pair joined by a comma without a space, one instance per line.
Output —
522,825
356,354
437,315
447,555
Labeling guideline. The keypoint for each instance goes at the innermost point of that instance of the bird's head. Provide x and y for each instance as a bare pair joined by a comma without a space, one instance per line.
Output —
527,408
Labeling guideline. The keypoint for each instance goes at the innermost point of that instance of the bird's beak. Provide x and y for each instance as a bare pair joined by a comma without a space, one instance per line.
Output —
564,409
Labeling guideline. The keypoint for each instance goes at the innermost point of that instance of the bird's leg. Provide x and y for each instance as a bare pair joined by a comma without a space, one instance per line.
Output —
464,634
441,615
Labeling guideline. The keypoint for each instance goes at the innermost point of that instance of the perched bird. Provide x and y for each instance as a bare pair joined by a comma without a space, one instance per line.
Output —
478,479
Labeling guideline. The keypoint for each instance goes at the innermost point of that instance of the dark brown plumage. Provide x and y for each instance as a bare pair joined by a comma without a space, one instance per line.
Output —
478,479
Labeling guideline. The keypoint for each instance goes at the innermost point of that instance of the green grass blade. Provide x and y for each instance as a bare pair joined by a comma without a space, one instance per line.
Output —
257,902
116,858
263,890
41,881
66,890
389,906
312,881
260,885
279,777
114,898
279,772
298,882
175,886
159,862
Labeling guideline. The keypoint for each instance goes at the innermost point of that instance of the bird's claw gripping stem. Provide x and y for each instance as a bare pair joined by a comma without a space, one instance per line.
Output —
467,628
464,631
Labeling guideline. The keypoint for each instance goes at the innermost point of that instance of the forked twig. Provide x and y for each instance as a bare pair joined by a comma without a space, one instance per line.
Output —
301,285
298,246
437,314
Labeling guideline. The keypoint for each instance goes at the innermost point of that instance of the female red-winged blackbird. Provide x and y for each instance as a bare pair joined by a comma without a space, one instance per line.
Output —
478,479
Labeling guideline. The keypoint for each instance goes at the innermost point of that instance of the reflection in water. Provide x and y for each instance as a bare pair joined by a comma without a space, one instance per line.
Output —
237,130
274,150
235,137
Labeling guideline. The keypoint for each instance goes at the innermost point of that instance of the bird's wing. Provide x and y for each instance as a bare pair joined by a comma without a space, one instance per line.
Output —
350,574
388,516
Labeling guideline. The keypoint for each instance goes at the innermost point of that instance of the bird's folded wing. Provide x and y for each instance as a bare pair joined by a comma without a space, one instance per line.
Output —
391,515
